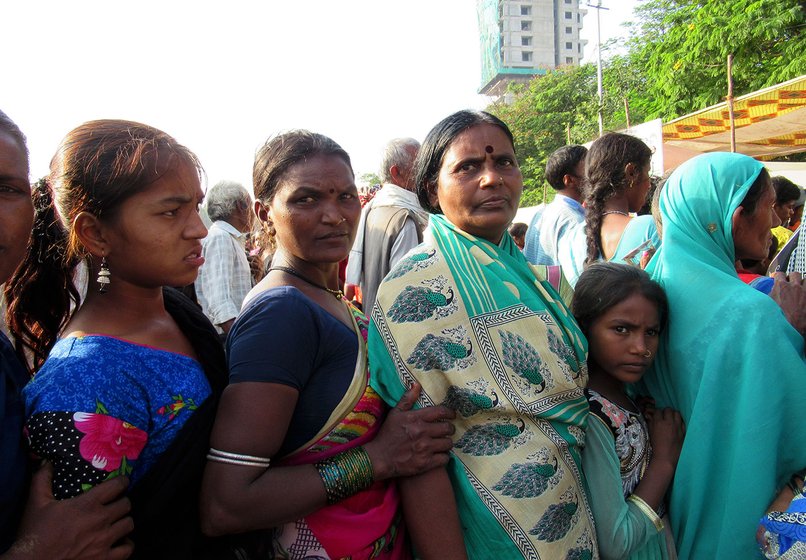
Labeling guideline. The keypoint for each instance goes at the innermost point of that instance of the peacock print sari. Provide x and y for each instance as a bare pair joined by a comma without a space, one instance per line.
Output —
473,324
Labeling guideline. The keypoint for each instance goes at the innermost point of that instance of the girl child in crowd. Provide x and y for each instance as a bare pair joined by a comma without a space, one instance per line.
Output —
127,377
629,458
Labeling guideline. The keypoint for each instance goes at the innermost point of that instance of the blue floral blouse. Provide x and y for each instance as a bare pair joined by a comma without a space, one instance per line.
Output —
102,407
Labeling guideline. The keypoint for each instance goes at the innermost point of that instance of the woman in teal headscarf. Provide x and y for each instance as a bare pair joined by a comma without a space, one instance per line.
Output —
729,361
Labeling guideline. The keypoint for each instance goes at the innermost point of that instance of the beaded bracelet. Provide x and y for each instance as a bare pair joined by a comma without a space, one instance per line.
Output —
345,474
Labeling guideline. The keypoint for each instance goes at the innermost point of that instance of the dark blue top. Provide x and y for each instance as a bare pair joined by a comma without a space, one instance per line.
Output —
284,337
13,466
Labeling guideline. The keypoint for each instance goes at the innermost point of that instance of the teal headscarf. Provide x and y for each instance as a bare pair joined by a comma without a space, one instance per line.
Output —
729,361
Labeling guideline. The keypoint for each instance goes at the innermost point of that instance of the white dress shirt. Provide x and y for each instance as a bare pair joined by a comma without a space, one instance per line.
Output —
224,278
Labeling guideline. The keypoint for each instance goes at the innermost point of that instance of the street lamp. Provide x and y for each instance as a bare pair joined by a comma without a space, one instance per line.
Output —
599,9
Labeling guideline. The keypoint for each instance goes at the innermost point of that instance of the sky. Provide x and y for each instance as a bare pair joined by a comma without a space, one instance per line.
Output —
222,77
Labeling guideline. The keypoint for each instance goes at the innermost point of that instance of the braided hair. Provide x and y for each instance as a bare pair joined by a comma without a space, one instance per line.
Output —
605,174
41,292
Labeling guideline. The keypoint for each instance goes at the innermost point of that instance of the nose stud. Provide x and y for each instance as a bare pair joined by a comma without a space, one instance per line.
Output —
648,354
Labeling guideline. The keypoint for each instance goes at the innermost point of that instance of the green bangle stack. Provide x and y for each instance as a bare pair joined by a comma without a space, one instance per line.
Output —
345,474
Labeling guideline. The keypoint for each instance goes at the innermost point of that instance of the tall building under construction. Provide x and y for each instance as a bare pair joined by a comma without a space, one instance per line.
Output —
524,38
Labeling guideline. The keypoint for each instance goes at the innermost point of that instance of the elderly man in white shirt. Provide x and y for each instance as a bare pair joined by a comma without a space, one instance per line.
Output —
391,224
225,277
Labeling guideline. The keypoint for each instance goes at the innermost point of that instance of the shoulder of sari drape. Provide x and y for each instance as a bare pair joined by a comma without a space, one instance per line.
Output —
453,278
321,445
505,262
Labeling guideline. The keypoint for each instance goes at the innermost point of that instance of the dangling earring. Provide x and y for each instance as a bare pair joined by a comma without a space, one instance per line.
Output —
271,234
103,276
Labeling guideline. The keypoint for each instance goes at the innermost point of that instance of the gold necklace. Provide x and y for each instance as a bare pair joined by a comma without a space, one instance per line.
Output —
338,294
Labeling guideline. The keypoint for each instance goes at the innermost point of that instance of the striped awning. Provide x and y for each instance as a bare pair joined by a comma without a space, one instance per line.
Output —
770,122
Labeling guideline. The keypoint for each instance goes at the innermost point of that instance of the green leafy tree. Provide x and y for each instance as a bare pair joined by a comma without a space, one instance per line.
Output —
552,111
680,49
369,179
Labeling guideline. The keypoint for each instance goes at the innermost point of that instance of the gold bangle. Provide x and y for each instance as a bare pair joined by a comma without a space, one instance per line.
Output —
647,510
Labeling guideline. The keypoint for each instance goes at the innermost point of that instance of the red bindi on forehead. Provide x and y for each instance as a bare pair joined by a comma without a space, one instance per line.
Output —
488,149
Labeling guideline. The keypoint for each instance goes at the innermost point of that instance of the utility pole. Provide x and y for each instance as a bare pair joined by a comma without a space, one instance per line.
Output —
730,105
598,7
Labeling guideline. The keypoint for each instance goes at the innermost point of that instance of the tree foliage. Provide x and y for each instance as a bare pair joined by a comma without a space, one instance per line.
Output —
369,179
541,115
675,63
680,47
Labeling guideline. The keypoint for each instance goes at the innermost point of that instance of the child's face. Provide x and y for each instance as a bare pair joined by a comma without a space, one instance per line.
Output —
624,340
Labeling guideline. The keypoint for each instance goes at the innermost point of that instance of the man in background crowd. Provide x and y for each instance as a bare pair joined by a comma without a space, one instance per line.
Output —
225,278
391,224
565,172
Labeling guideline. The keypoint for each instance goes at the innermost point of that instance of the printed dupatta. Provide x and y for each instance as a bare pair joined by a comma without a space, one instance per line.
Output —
364,526
484,335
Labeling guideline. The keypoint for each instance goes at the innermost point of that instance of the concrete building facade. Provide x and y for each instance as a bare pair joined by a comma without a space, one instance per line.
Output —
524,38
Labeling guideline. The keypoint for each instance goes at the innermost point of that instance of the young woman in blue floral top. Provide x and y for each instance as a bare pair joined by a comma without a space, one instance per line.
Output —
127,376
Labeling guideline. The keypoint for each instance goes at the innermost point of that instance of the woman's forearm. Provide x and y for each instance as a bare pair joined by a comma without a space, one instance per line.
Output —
235,502
432,518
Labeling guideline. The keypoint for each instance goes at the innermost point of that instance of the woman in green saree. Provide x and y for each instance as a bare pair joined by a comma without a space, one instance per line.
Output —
466,316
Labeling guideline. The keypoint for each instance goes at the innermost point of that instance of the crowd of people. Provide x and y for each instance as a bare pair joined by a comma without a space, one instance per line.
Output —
313,372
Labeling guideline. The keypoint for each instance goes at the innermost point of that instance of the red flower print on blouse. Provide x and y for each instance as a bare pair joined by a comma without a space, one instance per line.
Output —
108,440
613,412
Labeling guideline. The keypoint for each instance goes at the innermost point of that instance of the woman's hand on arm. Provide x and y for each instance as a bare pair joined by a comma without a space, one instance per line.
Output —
90,526
432,518
411,442
666,431
789,292
253,419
